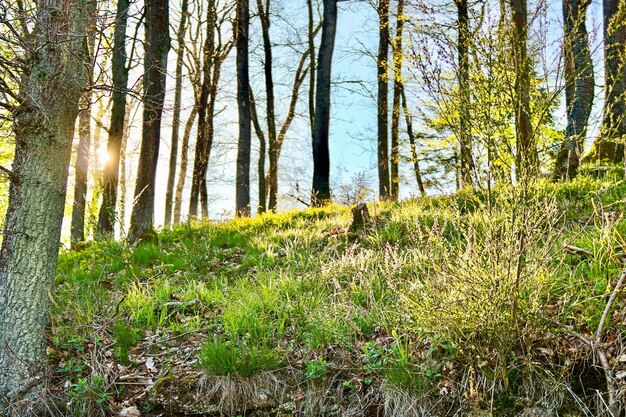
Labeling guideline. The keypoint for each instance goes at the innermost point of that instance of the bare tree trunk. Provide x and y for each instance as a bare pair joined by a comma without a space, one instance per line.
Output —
526,162
49,93
106,217
465,125
276,140
180,39
77,228
579,87
610,144
205,118
184,160
269,92
262,206
155,67
383,106
309,4
409,129
320,193
242,204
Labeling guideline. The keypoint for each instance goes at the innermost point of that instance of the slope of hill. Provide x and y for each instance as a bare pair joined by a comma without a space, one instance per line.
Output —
472,304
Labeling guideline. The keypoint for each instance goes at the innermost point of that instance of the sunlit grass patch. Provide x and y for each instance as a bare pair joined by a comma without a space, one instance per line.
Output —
224,358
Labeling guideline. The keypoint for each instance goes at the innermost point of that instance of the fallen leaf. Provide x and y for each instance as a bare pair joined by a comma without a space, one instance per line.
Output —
130,412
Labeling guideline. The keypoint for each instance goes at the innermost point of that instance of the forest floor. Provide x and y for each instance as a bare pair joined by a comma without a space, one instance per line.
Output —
469,304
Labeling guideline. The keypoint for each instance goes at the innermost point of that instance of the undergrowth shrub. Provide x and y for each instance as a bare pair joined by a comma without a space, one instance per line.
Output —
484,290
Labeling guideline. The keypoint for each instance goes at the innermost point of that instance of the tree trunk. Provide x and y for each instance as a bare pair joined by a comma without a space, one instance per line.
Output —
465,126
77,228
383,107
527,162
309,4
395,114
106,217
205,118
44,125
184,161
409,129
242,204
157,45
262,205
579,87
171,176
610,144
269,91
320,193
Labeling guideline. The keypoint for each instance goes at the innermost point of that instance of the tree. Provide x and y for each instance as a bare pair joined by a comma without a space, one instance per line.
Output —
466,160
242,204
84,139
320,193
579,87
214,52
119,73
49,93
180,52
383,106
268,184
610,144
526,161
396,48
157,44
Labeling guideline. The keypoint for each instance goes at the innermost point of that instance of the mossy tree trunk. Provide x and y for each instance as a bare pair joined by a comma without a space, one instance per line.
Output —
579,87
526,159
44,125
384,188
466,160
610,144
396,47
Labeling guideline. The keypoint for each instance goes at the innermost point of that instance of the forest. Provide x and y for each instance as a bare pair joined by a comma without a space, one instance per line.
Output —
313,208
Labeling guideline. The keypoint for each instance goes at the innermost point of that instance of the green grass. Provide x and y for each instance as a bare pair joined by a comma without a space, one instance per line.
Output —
223,358
434,288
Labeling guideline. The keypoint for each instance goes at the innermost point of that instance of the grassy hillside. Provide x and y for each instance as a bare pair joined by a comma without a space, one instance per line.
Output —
459,305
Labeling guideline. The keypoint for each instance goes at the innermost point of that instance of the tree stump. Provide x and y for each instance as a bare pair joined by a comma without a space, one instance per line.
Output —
360,217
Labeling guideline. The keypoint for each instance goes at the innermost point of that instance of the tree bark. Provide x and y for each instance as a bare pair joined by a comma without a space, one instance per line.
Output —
396,47
119,68
184,161
412,142
205,118
610,144
242,204
309,4
465,126
579,87
526,162
269,93
262,192
77,228
320,193
50,91
383,105
157,45
180,52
